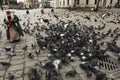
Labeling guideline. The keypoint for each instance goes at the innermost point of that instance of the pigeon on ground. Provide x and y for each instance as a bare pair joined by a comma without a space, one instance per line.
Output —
33,46
11,76
30,56
34,75
71,73
6,64
37,51
25,47
10,51
56,16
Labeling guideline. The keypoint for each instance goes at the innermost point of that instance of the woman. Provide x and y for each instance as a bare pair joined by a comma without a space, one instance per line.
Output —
14,30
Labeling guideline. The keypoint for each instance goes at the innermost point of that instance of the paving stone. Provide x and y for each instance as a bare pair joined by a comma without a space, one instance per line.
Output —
10,45
43,77
42,58
15,67
84,77
30,63
67,68
19,79
19,48
1,49
79,70
1,78
17,57
75,63
16,73
26,77
117,79
5,60
3,57
17,62
19,53
3,52
115,75
26,70
2,73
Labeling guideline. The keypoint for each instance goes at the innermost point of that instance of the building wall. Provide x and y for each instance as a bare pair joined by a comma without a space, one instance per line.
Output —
54,3
46,3
82,3
31,3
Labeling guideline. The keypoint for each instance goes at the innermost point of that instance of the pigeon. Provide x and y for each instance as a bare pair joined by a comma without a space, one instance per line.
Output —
45,20
11,76
48,75
37,51
52,10
113,48
119,57
56,63
6,64
49,66
42,11
56,16
83,65
33,46
10,51
25,47
50,56
101,76
89,73
71,73
34,75
52,75
30,56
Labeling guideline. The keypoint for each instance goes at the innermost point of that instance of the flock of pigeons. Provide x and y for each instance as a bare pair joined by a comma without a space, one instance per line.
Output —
67,40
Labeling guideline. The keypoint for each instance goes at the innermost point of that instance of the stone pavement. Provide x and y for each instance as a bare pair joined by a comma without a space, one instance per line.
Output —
20,64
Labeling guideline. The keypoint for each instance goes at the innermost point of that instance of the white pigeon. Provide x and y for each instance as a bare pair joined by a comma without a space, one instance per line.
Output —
56,63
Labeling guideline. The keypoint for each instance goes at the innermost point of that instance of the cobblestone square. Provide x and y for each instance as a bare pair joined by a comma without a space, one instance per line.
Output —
21,63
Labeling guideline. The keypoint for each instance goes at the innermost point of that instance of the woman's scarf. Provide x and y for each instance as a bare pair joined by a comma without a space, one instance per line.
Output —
9,18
